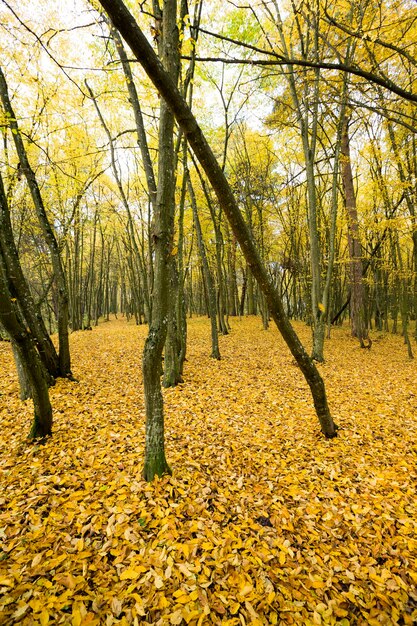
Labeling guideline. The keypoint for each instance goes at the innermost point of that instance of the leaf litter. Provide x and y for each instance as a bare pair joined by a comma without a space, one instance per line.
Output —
263,521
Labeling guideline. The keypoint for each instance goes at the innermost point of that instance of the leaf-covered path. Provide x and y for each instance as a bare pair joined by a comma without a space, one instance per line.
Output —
262,522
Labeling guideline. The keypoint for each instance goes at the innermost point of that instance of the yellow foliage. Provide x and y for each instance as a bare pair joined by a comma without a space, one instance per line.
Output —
263,521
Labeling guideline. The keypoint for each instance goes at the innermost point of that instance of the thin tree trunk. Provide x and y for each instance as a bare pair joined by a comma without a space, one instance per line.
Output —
137,111
28,357
125,202
357,304
208,279
404,301
155,460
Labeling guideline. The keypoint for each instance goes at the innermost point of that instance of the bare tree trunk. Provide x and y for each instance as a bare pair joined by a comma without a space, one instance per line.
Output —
155,460
208,279
357,312
404,304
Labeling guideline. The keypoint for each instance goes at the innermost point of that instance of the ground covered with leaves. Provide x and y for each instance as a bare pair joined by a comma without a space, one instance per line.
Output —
263,520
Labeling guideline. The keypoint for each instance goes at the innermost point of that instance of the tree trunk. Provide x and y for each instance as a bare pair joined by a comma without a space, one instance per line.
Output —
24,384
125,23
28,357
20,289
155,461
172,364
123,197
357,312
208,279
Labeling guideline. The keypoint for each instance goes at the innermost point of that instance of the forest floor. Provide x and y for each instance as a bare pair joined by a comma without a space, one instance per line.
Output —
263,521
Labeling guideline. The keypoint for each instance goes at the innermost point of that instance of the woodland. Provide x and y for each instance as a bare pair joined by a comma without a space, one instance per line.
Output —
208,303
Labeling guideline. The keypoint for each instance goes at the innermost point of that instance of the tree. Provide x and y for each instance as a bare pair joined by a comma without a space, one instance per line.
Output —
207,277
163,222
357,303
51,241
127,26
20,288
26,353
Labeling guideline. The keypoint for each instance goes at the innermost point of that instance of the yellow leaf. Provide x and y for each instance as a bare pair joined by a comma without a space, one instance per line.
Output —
140,609
317,618
130,574
245,589
36,560
36,605
84,554
190,616
158,582
234,607
318,584
66,579
76,618
282,558
44,618
20,612
163,602
176,618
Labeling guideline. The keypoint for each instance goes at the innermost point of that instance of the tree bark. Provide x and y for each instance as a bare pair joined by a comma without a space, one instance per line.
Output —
357,304
126,24
155,460
208,279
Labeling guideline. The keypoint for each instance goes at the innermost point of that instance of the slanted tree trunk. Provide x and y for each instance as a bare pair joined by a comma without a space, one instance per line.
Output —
20,289
145,154
27,356
208,279
125,202
357,304
137,111
181,310
216,218
161,78
50,239
404,300
414,235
